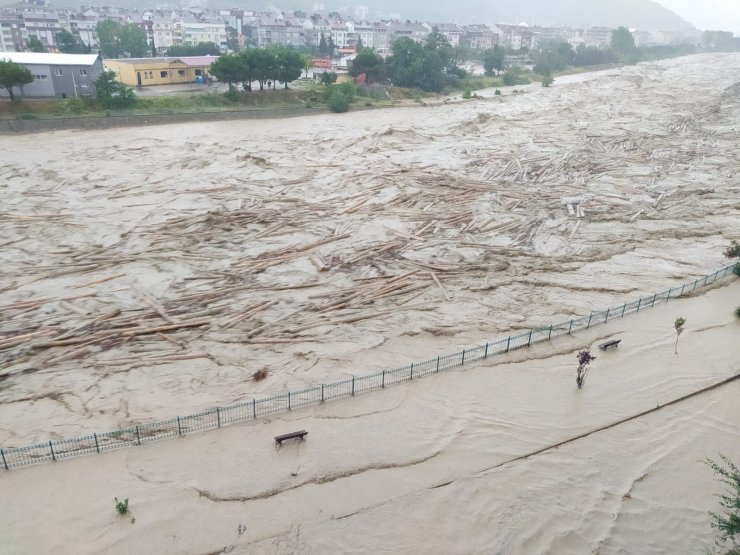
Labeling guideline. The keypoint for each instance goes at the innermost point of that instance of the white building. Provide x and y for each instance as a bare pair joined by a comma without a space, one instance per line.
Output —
208,30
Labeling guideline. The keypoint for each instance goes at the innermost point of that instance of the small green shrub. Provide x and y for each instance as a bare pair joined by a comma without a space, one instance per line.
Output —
737,312
547,80
121,506
27,116
736,269
338,101
467,94
733,251
498,92
232,95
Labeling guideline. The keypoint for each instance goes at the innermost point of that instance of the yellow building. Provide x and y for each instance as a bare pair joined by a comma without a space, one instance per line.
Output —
142,72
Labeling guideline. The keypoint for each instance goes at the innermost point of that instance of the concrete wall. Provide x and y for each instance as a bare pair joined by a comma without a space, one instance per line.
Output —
22,126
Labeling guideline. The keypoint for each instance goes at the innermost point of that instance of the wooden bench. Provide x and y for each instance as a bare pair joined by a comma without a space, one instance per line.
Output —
612,343
293,435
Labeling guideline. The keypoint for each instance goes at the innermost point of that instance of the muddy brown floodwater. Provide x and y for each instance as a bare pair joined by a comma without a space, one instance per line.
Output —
149,272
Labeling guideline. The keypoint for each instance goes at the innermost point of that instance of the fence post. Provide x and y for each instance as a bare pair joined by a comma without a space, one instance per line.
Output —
5,463
179,429
382,381
695,282
668,298
623,309
254,407
549,335
638,304
288,400
138,437
529,341
607,315
97,447
655,296
682,288
353,386
51,448
485,353
571,326
437,370
462,362
218,416
508,344
322,393
412,370
589,320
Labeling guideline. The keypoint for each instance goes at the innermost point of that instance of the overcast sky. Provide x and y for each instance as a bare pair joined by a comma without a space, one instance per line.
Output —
708,14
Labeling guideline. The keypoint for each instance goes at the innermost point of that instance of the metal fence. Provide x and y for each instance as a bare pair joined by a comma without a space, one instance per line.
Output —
254,408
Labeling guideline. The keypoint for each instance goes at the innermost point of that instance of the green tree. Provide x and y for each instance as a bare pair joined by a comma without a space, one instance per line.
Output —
263,62
623,42
69,44
288,65
369,63
323,45
200,49
109,38
547,79
359,46
13,75
493,59
228,69
338,101
35,45
727,523
328,78
307,62
406,63
678,326
112,94
330,46
133,40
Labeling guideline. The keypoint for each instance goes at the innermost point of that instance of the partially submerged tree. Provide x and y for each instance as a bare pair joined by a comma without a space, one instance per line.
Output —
13,75
584,359
727,523
678,326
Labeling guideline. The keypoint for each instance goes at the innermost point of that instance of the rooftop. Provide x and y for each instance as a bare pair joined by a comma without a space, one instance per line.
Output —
46,58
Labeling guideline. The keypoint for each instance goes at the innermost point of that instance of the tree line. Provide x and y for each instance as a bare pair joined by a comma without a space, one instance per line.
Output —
261,65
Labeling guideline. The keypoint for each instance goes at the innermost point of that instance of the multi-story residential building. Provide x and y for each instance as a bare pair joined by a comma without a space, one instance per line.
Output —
382,41
42,23
452,32
84,27
479,37
207,29
163,33
599,37
417,32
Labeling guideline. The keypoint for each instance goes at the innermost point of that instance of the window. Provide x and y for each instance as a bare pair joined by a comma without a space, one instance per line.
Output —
151,75
84,85
83,72
198,72
163,74
181,72
40,77
58,72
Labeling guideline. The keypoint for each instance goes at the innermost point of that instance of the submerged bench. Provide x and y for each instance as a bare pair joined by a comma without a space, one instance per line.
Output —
612,343
292,435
